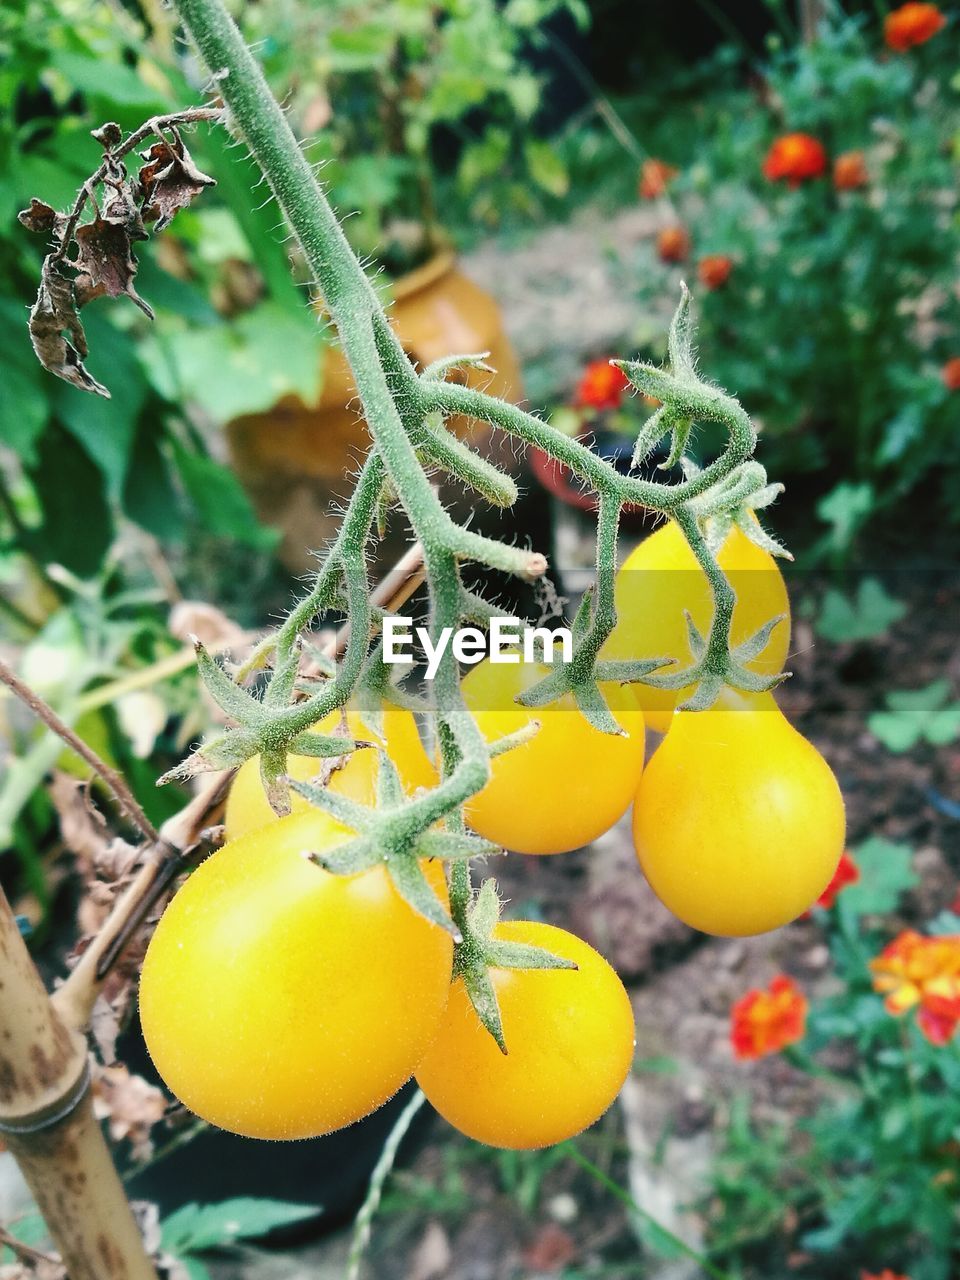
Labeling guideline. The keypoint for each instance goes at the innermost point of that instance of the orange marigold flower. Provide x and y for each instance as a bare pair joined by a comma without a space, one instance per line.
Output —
763,1022
917,972
795,157
912,24
714,270
655,177
602,386
950,373
850,171
673,244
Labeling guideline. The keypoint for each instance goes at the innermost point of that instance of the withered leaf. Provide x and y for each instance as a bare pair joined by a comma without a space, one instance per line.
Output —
106,258
109,135
169,181
56,332
40,217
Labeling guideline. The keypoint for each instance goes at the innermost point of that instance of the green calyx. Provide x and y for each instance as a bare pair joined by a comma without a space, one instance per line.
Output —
478,951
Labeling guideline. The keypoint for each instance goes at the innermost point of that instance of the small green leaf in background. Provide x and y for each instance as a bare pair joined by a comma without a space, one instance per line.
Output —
886,872
864,616
846,508
917,715
247,366
546,167
197,1228
220,501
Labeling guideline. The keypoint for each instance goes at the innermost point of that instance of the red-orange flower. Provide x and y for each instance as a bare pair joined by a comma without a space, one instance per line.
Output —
886,1274
912,24
763,1022
850,171
655,177
673,244
847,872
714,270
602,386
950,373
917,972
795,157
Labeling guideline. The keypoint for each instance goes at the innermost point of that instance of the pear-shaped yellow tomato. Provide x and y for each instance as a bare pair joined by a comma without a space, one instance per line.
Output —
280,1001
247,804
738,822
661,578
569,1035
569,783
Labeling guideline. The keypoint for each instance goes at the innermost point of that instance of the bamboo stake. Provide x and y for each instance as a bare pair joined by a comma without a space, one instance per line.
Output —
46,1117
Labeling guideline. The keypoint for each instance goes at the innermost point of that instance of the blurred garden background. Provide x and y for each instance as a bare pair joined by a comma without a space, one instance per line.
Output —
532,178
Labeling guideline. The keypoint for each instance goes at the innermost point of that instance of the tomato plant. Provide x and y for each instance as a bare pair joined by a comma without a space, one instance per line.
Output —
247,804
569,783
660,579
739,822
281,1001
569,1036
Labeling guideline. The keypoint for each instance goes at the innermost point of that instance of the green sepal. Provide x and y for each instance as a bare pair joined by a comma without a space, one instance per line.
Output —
233,700
349,858
358,817
227,751
283,679
325,746
628,670
592,705
523,955
389,787
455,846
482,995
415,889
273,775
755,645
695,639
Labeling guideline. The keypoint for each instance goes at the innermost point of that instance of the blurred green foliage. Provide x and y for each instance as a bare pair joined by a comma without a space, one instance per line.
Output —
841,308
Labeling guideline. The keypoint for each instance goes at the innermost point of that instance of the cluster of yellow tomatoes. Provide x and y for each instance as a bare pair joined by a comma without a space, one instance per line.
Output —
281,1001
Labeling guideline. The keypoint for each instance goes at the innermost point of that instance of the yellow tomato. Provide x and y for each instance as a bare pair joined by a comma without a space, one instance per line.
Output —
569,783
738,823
661,578
569,1036
280,1001
247,804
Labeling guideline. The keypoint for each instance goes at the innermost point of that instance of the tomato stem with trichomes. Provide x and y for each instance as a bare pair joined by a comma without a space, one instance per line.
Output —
407,410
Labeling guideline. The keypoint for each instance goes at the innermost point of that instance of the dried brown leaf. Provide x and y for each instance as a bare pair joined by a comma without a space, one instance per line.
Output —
56,332
106,259
130,1105
169,181
41,217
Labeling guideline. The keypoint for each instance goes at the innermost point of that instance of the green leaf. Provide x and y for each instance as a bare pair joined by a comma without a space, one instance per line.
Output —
106,428
149,497
546,167
199,1227
865,616
77,526
270,352
886,872
846,509
917,715
221,503
121,85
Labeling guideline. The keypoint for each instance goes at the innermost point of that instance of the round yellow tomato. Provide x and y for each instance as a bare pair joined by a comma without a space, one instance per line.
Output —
661,578
247,805
569,783
569,1036
281,1001
738,823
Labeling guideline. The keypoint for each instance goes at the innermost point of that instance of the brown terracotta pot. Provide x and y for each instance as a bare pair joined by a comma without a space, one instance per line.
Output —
295,459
